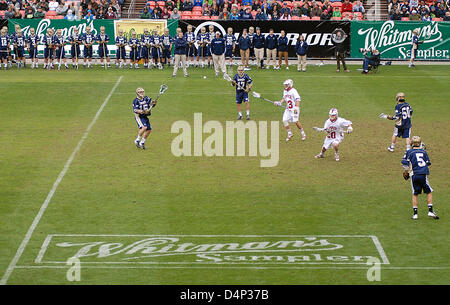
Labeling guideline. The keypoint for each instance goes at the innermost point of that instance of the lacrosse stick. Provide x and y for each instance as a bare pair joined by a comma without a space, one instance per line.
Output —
61,50
257,95
162,89
227,78
76,53
104,55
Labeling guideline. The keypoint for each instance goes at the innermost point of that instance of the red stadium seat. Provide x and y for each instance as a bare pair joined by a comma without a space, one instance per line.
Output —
162,3
437,19
51,13
315,17
336,18
305,18
295,18
186,13
339,4
214,17
196,13
58,17
405,19
197,8
205,18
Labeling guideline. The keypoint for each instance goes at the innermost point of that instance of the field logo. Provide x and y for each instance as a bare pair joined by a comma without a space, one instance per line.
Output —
374,272
214,144
74,272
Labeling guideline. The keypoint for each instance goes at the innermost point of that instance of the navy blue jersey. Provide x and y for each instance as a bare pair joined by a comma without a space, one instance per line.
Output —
134,42
102,38
48,40
146,39
75,38
189,37
60,40
251,37
143,104
33,40
241,82
20,41
230,41
88,38
167,40
4,41
201,38
121,40
417,160
156,40
415,42
403,113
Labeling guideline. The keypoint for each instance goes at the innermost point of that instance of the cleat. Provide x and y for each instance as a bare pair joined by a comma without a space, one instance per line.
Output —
239,117
289,137
142,145
433,215
390,149
336,157
303,137
318,156
414,217
248,117
137,144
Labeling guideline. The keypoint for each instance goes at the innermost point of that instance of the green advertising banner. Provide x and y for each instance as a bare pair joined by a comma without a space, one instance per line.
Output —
393,39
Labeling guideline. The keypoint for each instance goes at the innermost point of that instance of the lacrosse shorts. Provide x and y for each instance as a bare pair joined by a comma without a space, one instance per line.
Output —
419,183
241,96
402,132
142,121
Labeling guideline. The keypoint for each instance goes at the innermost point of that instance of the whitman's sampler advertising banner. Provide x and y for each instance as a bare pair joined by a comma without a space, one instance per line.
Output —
393,39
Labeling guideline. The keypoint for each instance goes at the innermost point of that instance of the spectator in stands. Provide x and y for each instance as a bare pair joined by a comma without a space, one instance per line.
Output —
175,14
29,14
3,5
157,11
285,8
52,5
70,16
116,7
110,14
346,7
234,13
146,7
337,12
397,15
179,5
275,15
44,5
224,15
169,5
433,11
260,15
424,11
256,5
188,5
246,2
447,16
427,17
165,13
316,11
266,7
404,12
89,15
205,10
423,5
214,10
198,3
9,13
39,14
305,9
414,16
406,4
246,14
285,16
146,14
295,11
440,10
358,7
325,15
62,9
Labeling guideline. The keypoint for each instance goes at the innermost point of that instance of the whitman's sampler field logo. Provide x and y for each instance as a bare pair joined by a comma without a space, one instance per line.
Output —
393,39
211,249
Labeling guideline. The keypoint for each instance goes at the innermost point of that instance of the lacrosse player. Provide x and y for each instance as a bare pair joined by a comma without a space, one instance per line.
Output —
88,42
134,53
202,39
334,127
211,35
189,36
49,41
402,117
145,48
142,105
60,42
167,42
4,48
414,47
243,84
292,111
415,164
230,45
251,36
156,49
75,40
19,47
32,45
102,40
121,42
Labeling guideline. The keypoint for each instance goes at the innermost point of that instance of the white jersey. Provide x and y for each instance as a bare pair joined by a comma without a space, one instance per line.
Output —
291,97
336,129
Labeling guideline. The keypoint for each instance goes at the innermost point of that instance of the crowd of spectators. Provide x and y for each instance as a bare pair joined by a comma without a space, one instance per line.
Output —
254,9
419,10
61,9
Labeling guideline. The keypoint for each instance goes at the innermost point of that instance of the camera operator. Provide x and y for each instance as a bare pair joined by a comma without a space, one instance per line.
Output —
339,48
372,60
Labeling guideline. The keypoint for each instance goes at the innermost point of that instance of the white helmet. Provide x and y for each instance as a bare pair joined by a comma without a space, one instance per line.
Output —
333,112
140,92
289,83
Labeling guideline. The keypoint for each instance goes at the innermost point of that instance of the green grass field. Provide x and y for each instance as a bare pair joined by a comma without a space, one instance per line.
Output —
135,214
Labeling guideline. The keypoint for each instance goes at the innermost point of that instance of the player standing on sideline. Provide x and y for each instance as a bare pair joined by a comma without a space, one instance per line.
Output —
218,54
145,47
167,42
211,35
88,42
243,84
415,164
202,39
414,47
244,46
283,42
292,111
271,41
134,53
402,117
141,109
103,53
180,54
121,59
75,40
19,47
12,38
301,48
48,42
60,42
4,47
189,36
334,126
251,37
259,42
230,45
156,49
32,45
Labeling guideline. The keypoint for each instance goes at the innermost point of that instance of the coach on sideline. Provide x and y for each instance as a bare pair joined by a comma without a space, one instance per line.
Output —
180,54
218,53
258,43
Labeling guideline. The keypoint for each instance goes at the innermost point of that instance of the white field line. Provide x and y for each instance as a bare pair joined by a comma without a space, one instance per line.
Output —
380,249
61,175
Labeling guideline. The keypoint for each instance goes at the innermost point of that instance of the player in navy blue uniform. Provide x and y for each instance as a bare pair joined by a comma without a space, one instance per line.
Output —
251,36
415,164
75,40
230,45
4,48
414,47
19,48
103,53
48,41
243,84
121,42
167,42
134,53
88,42
202,40
156,49
211,35
32,46
146,40
189,36
402,117
60,42
142,106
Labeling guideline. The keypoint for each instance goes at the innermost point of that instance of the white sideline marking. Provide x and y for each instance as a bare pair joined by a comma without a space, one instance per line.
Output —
61,175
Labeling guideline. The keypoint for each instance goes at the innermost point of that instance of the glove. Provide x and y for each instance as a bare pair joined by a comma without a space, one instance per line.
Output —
406,175
350,129
383,116
318,129
278,104
147,111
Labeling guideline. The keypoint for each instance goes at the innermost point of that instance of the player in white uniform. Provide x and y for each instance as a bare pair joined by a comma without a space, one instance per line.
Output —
334,127
292,112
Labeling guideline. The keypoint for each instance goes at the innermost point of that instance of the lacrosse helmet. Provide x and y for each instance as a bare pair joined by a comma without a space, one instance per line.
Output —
400,97
240,71
416,141
140,92
333,114
288,84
